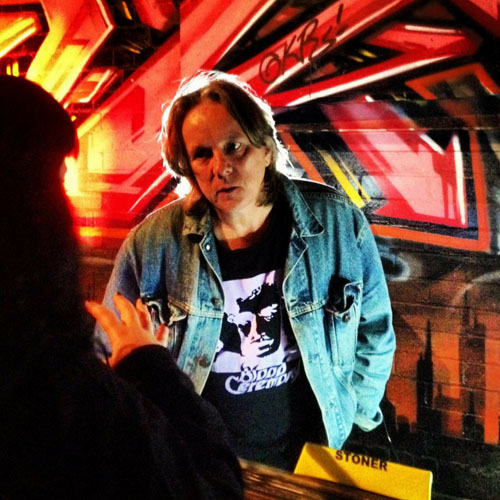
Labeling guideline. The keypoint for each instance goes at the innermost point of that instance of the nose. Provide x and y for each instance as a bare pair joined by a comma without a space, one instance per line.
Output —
221,164
254,335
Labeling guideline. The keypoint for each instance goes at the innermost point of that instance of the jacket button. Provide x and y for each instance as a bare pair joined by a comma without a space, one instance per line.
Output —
208,247
346,317
216,301
203,362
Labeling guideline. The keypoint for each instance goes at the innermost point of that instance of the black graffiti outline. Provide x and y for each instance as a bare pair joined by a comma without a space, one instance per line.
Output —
306,37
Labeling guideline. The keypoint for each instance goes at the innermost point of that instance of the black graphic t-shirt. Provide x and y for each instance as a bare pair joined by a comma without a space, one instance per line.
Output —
257,381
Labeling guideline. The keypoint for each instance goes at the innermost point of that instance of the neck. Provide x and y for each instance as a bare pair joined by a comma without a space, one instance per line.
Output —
242,230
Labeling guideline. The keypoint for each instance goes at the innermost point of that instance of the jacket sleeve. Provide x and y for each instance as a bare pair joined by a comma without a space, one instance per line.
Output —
125,280
205,462
376,339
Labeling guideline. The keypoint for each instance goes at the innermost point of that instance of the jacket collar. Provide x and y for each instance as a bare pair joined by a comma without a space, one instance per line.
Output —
304,219
197,223
306,223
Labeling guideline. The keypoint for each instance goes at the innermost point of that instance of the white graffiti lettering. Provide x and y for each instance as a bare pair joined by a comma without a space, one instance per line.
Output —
257,380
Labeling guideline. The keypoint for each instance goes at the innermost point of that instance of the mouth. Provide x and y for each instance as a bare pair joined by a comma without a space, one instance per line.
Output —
227,190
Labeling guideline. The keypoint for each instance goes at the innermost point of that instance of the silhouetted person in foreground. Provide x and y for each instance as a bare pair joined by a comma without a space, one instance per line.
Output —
71,426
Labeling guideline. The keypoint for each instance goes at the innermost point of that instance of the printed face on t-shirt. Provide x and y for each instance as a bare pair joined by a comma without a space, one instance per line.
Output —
260,330
253,334
253,330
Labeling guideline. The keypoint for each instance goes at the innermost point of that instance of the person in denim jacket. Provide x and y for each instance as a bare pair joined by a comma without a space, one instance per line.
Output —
243,221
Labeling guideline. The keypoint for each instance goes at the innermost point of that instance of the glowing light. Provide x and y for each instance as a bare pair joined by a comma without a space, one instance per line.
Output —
15,29
71,176
72,40
429,29
102,232
95,83
12,69
59,67
183,188
367,53
126,11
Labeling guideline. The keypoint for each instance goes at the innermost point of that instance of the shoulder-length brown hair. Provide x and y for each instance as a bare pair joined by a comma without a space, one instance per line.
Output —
252,114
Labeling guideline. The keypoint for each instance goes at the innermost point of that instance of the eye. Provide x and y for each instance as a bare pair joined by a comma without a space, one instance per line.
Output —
245,328
202,154
232,147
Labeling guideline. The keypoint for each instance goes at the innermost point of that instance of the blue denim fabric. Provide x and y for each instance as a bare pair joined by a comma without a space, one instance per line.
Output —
334,290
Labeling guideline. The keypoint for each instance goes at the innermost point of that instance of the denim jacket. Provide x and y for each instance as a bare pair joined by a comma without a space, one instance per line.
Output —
334,291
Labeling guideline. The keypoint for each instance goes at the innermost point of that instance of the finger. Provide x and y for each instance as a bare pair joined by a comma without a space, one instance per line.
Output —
106,318
161,334
144,315
127,311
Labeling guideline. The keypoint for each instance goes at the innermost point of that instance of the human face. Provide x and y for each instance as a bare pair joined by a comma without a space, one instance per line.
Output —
261,331
228,169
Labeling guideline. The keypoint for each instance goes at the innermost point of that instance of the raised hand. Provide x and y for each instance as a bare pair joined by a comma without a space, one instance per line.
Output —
135,329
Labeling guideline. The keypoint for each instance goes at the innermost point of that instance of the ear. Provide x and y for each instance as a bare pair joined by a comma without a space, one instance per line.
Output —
269,152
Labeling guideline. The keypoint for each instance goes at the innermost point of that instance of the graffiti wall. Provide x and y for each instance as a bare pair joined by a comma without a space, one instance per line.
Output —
396,103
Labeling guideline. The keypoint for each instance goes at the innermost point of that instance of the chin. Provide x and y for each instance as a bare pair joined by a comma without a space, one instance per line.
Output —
229,205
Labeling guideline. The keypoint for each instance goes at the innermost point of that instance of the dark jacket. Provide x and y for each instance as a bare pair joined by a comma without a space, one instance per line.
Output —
72,428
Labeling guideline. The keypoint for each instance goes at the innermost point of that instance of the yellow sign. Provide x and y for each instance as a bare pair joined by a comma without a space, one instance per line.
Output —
364,472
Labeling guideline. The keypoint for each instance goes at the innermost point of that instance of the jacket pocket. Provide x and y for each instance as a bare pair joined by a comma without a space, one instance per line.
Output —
342,313
173,318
